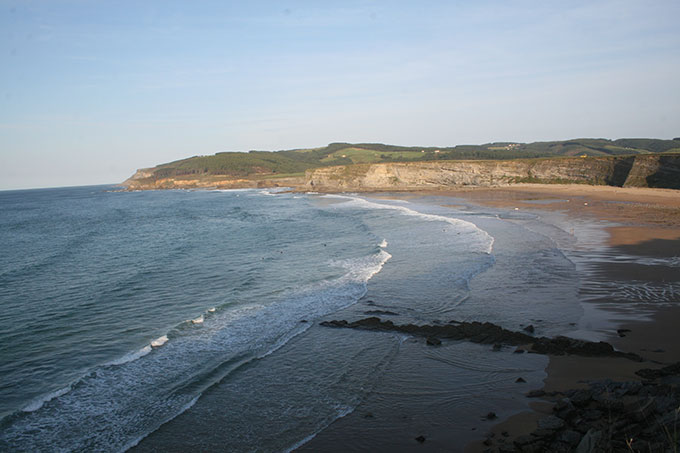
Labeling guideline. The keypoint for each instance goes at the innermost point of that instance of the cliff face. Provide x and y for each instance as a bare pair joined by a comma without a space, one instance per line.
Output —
632,171
652,170
147,179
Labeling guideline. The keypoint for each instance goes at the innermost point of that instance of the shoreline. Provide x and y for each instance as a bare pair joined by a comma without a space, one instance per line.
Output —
643,223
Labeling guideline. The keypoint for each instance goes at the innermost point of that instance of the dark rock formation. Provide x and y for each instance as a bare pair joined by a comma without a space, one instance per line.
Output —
488,333
381,312
433,341
670,370
607,416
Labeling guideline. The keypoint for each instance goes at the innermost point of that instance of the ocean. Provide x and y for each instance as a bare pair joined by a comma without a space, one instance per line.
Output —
168,320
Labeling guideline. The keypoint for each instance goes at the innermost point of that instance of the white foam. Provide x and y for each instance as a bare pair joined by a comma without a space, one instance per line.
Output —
342,412
363,269
284,340
136,441
383,244
140,405
38,402
160,341
233,190
198,320
211,310
363,203
131,356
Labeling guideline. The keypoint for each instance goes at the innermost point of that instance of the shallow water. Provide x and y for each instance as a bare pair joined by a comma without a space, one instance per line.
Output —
180,319
217,281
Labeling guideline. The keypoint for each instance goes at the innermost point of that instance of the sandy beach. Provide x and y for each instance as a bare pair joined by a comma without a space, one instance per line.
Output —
631,235
645,224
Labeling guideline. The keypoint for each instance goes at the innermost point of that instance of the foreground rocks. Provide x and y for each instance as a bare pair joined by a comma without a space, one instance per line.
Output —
607,416
489,333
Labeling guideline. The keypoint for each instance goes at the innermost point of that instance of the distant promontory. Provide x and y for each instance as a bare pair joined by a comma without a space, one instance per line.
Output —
372,166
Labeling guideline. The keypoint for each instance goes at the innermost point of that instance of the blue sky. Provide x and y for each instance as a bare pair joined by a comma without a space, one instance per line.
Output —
92,90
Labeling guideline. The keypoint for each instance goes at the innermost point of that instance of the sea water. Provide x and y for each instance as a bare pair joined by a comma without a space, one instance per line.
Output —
148,319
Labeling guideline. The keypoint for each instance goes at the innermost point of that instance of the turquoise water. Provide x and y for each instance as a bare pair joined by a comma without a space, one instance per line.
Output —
143,316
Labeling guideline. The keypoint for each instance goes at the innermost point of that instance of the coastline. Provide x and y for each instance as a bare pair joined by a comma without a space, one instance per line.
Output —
643,223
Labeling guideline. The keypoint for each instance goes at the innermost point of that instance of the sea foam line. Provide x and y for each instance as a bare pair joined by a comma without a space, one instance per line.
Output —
160,341
130,356
136,442
362,202
97,395
344,411
361,273
40,401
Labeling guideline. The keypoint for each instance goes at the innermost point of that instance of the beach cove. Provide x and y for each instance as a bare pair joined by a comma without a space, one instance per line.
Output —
254,362
439,398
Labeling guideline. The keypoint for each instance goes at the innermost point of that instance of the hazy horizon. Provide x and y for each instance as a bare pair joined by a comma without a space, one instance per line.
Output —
90,92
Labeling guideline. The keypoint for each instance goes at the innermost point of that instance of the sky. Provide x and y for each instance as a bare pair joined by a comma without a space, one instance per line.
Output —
92,90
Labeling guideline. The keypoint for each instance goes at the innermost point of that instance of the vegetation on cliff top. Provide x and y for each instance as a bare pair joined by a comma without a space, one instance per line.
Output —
267,163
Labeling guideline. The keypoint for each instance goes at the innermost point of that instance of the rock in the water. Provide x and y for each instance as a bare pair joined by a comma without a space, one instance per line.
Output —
670,370
536,393
420,439
491,416
529,328
520,380
433,341
381,312
489,333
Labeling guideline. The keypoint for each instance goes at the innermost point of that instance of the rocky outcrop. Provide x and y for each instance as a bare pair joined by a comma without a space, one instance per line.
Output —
147,179
606,416
632,171
655,171
489,333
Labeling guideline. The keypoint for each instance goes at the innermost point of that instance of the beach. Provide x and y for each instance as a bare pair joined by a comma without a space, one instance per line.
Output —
618,236
278,321
646,224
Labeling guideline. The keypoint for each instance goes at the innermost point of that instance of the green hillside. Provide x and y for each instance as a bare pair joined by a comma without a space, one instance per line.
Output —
289,162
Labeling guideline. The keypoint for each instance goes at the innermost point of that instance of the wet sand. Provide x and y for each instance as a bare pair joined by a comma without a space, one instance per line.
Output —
647,225
642,223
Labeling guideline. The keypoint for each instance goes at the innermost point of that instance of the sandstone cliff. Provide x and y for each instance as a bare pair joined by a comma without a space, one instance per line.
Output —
631,171
147,179
650,170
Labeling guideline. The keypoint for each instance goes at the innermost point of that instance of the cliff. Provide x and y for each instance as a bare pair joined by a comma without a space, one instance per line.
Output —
148,179
643,170
661,171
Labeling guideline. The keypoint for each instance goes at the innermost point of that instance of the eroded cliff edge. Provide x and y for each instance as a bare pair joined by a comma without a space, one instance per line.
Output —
661,171
651,170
